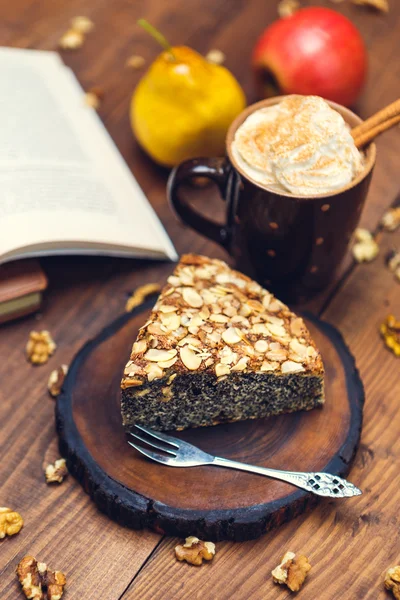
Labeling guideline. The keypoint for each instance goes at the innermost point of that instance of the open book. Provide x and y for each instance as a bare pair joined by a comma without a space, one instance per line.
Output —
64,187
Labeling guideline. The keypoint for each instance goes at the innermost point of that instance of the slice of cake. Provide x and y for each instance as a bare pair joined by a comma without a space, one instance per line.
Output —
217,348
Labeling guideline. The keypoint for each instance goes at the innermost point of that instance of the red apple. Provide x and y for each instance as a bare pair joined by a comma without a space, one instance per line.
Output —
316,51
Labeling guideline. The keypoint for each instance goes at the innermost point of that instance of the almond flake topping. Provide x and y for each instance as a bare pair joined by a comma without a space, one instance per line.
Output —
261,346
159,355
212,318
232,335
190,359
171,321
191,297
221,370
139,347
291,367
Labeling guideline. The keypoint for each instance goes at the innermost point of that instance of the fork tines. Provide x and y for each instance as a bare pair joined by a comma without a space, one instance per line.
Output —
156,440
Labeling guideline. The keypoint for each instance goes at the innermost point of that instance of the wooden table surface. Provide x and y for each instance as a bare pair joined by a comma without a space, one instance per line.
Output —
350,544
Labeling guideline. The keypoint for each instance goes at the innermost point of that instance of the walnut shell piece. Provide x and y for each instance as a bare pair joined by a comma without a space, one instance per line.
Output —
11,522
56,380
292,571
392,581
40,347
56,473
193,551
38,582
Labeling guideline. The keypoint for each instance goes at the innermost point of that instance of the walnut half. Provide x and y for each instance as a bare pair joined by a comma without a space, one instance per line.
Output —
392,581
38,582
194,550
292,571
10,522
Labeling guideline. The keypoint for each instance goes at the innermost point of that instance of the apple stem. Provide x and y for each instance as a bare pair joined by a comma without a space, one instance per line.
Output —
157,35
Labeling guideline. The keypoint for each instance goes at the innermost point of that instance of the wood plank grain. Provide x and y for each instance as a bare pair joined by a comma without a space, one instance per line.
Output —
349,543
87,293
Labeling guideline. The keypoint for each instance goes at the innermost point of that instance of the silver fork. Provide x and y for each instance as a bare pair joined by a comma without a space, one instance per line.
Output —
178,453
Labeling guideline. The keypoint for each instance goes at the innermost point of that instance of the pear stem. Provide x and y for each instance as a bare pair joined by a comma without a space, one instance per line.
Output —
157,35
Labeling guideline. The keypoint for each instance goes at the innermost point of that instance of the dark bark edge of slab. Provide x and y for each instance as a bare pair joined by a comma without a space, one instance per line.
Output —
131,509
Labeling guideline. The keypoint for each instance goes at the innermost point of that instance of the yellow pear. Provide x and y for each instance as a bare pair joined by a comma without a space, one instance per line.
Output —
183,105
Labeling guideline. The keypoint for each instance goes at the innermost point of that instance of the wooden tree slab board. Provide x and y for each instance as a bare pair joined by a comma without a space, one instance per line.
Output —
210,502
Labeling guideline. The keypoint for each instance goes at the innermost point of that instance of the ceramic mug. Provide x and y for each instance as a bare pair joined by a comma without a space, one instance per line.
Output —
290,244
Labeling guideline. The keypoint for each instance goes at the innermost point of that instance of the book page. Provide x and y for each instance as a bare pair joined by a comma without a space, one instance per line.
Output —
64,185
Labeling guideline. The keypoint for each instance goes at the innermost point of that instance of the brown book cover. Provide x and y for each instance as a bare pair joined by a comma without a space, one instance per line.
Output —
21,286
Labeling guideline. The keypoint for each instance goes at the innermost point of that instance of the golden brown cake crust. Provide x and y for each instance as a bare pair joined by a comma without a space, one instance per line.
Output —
211,318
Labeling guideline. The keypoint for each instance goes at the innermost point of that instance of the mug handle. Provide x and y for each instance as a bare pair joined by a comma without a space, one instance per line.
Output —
215,169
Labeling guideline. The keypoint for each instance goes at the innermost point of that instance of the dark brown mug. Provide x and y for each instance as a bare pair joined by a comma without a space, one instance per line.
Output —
290,244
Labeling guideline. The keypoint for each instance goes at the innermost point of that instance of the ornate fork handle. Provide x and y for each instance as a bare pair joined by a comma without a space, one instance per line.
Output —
322,484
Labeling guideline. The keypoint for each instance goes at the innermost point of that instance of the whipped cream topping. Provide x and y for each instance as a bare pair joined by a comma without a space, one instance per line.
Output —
301,146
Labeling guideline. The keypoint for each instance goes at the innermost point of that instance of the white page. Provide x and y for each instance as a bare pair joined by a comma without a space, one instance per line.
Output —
62,179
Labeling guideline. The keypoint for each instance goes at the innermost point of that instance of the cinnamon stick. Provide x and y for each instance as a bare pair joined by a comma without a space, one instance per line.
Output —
389,112
367,135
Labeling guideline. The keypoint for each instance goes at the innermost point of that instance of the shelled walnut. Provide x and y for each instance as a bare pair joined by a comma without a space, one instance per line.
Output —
38,582
391,219
40,347
74,37
11,522
390,331
292,571
56,473
193,551
392,581
365,248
